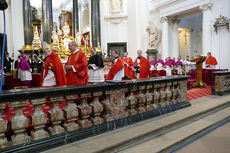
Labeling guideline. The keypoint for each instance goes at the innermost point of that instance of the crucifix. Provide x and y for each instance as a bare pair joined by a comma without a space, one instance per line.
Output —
185,38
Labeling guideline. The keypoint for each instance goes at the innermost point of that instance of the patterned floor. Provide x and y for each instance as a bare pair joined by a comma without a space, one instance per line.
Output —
195,93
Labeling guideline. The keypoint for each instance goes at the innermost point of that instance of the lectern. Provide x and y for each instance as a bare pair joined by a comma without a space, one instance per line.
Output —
199,82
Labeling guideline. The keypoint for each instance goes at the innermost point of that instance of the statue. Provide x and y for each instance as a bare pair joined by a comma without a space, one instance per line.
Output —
66,38
116,6
154,36
78,38
54,37
36,43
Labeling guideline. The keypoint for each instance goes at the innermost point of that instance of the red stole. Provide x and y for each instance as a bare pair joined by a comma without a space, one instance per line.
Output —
54,62
144,67
128,68
79,61
115,68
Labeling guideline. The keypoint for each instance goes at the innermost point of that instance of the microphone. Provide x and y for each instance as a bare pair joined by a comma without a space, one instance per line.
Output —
3,5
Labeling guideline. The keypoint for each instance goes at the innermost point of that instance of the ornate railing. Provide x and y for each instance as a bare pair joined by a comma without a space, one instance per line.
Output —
47,117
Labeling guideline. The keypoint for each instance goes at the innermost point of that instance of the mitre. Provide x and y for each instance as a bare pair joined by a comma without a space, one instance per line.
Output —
45,46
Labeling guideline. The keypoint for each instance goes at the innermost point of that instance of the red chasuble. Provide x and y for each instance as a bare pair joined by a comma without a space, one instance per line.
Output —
144,67
211,61
54,62
79,61
115,68
129,67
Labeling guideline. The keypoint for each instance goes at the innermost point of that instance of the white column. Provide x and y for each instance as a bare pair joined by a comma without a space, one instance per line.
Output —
8,28
175,39
206,28
17,25
165,37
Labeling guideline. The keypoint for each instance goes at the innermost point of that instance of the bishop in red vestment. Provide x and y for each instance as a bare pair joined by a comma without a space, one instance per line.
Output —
128,66
210,61
117,70
52,71
142,66
76,66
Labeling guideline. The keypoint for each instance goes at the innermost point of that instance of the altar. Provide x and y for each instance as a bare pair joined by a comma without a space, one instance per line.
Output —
206,74
11,83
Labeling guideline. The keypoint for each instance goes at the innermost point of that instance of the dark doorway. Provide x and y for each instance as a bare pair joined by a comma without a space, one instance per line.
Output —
119,47
1,43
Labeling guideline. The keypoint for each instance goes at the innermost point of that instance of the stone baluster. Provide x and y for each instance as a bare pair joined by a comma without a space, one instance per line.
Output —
39,120
141,100
149,98
109,107
174,92
126,91
71,113
97,108
3,128
156,96
163,95
19,123
85,111
182,88
56,115
132,101
117,97
168,94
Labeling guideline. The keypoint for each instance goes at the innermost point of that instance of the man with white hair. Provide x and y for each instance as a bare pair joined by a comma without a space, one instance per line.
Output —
52,72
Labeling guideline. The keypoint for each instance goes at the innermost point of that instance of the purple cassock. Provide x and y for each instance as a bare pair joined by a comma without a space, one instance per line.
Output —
172,61
179,63
153,63
169,63
161,61
23,64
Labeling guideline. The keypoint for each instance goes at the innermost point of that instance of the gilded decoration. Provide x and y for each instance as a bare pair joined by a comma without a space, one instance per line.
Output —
221,21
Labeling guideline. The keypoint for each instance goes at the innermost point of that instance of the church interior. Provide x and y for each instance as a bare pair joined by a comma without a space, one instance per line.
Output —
115,76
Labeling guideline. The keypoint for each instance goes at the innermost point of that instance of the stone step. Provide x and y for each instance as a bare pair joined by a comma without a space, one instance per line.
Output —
153,128
176,138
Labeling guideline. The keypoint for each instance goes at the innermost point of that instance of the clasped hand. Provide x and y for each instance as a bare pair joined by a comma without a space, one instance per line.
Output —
68,67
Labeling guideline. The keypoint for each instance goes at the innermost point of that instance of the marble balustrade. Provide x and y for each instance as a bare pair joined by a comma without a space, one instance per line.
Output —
33,114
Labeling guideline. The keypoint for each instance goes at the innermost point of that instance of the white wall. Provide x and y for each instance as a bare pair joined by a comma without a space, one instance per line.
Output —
114,27
137,24
14,27
221,41
128,26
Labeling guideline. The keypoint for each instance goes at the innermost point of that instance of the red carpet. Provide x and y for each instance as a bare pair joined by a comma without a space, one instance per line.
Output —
195,93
